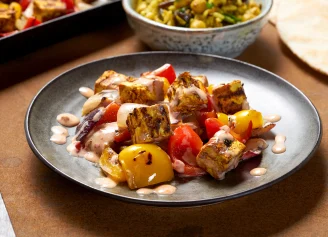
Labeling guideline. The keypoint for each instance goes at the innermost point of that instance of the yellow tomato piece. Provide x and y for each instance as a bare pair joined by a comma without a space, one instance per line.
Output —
166,85
210,89
223,118
17,8
3,6
145,164
109,164
243,117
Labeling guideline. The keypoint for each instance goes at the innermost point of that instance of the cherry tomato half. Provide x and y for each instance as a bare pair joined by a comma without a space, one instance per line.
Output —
243,117
212,126
110,114
243,137
24,4
184,145
122,136
69,5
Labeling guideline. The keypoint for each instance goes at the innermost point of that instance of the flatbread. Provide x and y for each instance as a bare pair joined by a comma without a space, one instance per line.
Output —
303,27
274,11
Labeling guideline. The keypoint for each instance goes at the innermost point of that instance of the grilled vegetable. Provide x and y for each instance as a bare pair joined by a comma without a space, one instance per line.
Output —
183,147
30,22
101,99
110,165
241,120
17,8
110,114
124,111
212,126
145,164
87,124
166,71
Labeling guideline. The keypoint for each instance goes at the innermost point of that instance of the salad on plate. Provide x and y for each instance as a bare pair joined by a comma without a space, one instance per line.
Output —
146,130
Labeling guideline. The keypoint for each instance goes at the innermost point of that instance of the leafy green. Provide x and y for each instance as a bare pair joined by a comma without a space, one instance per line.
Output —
182,9
209,5
231,18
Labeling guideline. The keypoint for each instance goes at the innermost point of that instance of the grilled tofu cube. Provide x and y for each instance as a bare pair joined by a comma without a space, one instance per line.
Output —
201,78
187,94
221,154
109,80
166,83
142,91
149,124
229,98
7,20
45,10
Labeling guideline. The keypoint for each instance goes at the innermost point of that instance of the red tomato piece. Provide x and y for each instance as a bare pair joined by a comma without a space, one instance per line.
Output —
121,136
203,115
166,71
24,4
210,106
110,114
31,21
212,125
78,145
184,145
36,22
193,171
69,6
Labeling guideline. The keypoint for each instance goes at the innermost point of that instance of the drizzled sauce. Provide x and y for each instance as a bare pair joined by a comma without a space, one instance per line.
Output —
256,144
86,92
68,120
106,182
59,135
223,134
178,166
164,189
258,171
91,156
272,118
88,155
279,146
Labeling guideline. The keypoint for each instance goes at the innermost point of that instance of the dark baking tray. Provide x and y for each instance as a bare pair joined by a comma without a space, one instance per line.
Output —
59,29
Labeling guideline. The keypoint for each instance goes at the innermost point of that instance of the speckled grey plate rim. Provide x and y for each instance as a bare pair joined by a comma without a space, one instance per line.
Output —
177,203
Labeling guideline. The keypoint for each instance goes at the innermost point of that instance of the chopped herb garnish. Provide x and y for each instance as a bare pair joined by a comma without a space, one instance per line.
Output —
227,142
231,18
209,5
182,9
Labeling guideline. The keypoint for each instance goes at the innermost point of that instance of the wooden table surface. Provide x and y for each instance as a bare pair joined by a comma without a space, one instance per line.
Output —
42,203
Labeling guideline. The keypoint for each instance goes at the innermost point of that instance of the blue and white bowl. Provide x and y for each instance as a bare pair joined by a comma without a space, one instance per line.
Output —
229,41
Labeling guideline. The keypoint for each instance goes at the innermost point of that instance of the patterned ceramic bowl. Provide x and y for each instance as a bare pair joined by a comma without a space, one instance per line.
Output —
229,41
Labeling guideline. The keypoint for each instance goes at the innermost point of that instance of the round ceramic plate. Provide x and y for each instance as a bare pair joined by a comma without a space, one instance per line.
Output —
266,92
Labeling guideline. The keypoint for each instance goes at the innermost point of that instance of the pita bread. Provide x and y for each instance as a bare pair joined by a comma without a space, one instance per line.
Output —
303,27
273,13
